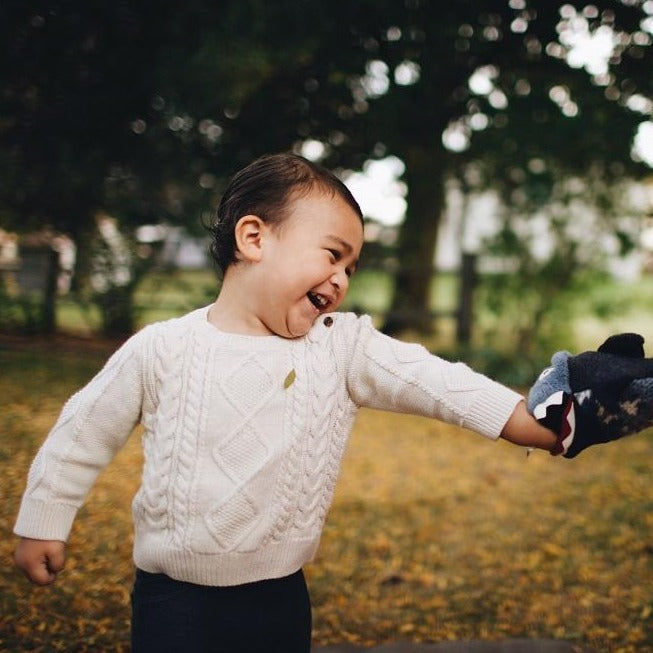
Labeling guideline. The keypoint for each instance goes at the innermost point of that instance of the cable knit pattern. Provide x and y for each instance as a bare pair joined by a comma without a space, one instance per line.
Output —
296,410
342,420
153,499
243,438
316,452
186,445
242,452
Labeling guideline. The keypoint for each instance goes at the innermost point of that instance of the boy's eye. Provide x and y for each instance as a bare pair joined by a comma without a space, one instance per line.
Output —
336,255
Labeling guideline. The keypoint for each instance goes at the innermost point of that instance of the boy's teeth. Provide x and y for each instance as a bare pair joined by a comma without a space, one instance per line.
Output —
318,300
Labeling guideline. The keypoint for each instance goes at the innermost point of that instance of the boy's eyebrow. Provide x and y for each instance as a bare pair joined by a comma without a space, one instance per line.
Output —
343,243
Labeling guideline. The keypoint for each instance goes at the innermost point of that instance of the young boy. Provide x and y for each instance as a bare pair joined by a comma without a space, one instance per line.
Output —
247,406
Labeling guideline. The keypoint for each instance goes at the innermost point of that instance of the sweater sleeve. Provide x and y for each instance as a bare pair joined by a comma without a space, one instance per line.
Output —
388,374
93,425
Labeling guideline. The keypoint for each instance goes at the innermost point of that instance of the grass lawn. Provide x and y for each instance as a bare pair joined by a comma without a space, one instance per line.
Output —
435,533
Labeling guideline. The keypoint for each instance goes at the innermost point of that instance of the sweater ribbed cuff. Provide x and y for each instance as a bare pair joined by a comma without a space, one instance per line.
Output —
43,520
492,410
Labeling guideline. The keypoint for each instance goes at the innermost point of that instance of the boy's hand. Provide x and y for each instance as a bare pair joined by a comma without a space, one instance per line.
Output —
40,560
597,396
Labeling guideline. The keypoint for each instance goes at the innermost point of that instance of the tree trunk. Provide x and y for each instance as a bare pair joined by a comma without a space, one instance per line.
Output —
48,311
117,310
83,234
116,303
468,281
410,307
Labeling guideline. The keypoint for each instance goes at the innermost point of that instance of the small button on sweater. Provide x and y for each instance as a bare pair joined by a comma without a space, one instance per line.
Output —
243,437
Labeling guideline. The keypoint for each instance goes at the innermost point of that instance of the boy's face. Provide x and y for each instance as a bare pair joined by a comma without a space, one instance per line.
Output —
307,262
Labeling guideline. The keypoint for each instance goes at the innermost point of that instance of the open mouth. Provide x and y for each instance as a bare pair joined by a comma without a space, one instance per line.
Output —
319,301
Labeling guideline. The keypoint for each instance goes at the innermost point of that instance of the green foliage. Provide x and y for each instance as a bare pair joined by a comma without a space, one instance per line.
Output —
144,109
165,294
560,239
10,314
521,321
22,311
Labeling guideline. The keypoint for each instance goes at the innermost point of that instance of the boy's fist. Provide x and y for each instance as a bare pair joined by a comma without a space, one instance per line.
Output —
596,396
40,560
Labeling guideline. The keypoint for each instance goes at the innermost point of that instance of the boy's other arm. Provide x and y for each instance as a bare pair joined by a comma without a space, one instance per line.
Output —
524,430
40,560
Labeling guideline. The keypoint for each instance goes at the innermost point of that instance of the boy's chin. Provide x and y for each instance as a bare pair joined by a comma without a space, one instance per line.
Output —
299,328
296,333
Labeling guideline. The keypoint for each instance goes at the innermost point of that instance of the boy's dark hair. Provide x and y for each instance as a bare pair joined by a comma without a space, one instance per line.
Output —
265,188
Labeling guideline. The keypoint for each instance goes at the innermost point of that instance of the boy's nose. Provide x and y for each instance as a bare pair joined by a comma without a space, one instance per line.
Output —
341,281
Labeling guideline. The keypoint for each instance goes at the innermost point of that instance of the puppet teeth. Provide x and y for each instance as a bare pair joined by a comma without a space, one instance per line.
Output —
555,399
568,427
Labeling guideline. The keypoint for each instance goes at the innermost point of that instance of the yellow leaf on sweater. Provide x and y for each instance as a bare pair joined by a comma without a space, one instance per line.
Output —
290,379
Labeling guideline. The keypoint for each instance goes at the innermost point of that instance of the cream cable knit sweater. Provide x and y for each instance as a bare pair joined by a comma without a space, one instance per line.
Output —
243,438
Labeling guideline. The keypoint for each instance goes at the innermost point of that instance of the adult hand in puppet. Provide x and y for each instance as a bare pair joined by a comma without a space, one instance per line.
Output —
596,396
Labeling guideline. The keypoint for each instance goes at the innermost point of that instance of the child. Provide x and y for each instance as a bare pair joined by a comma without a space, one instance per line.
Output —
247,406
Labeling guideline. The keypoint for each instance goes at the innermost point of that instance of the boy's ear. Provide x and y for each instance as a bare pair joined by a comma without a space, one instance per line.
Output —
249,233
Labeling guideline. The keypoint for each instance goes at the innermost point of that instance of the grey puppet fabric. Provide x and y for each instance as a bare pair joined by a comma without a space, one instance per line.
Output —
597,396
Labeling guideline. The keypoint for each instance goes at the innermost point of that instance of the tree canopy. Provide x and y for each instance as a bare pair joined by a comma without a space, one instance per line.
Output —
143,109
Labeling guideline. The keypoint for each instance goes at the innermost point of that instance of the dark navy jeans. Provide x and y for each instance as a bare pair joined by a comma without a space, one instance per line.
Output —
270,616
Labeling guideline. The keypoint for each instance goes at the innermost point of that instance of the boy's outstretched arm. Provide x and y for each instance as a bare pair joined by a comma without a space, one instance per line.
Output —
40,560
523,429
